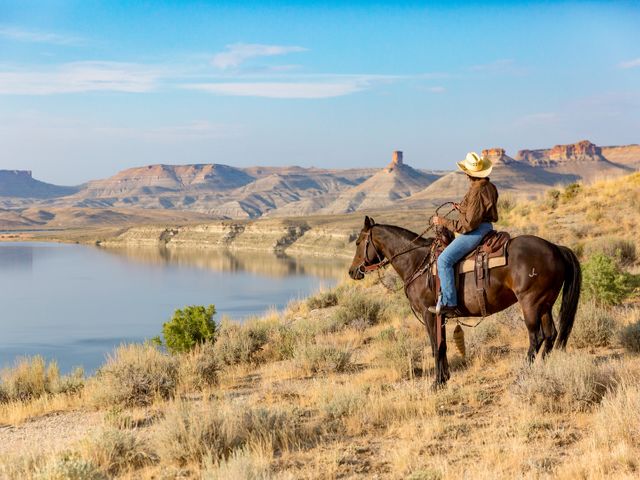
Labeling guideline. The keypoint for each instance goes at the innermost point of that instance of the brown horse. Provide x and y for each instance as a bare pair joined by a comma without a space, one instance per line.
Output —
536,272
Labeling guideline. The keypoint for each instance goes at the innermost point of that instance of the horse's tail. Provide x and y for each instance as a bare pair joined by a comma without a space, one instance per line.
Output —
570,295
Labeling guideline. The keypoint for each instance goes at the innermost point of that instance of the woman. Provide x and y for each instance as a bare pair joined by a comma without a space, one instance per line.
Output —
476,213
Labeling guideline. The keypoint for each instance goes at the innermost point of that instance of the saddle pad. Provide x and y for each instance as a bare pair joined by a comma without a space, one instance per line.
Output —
468,265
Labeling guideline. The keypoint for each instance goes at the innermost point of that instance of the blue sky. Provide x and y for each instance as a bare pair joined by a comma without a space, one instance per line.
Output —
90,88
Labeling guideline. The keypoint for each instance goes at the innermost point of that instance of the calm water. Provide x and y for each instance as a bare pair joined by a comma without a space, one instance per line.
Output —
74,303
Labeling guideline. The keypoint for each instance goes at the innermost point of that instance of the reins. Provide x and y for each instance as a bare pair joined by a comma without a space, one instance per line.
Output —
426,264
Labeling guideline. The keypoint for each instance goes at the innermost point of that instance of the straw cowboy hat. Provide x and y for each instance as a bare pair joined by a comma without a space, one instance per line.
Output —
476,166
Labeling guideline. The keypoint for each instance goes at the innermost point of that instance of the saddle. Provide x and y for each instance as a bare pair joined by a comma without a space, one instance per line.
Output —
491,253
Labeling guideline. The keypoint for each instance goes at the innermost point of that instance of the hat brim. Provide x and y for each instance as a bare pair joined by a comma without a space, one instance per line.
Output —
480,173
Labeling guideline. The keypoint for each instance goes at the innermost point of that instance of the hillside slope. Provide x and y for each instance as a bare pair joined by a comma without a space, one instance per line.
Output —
571,216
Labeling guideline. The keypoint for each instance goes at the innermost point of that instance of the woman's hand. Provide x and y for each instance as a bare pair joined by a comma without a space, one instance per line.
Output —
438,221
456,206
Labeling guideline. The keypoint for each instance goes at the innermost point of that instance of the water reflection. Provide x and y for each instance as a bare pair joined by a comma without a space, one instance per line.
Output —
261,263
15,257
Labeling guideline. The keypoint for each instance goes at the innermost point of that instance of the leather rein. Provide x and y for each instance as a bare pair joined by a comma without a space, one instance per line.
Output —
424,266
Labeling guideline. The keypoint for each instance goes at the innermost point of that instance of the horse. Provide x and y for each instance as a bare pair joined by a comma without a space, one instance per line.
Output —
536,272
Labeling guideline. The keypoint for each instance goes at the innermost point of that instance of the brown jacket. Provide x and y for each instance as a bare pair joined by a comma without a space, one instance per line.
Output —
479,205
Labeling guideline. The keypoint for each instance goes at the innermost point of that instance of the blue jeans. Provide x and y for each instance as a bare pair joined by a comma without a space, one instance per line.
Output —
451,255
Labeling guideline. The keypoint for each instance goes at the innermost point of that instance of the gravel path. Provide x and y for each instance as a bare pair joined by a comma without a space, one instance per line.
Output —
49,433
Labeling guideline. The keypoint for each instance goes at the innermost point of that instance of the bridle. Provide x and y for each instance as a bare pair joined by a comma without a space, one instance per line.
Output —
363,268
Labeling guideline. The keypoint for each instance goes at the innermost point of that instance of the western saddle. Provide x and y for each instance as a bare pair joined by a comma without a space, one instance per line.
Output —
490,253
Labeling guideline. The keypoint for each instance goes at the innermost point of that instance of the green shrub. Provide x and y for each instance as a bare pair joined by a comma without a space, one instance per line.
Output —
238,343
322,300
603,280
358,310
313,358
134,375
189,327
624,251
594,326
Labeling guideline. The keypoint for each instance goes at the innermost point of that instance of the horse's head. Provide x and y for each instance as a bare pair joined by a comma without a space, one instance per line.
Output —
366,252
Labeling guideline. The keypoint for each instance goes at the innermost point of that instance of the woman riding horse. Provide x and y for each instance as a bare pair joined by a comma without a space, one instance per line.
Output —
477,212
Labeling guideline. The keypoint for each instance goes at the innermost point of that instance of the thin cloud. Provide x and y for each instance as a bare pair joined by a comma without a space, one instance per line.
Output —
238,53
437,89
35,36
630,63
79,77
279,89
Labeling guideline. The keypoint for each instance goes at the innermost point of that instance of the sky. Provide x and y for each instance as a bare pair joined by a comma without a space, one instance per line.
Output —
90,88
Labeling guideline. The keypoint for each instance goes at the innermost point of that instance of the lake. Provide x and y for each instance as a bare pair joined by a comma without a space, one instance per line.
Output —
75,303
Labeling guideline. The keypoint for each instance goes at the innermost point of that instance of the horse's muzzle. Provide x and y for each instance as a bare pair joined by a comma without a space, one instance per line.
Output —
356,273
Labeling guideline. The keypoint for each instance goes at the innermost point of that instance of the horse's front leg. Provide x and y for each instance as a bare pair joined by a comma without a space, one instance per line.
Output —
439,351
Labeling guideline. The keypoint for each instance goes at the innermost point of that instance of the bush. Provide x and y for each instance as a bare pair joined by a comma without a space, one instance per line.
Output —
313,358
594,326
630,337
199,368
134,375
623,251
402,352
571,191
116,451
237,343
29,378
322,300
189,327
189,434
603,280
358,309
564,382
68,467
241,464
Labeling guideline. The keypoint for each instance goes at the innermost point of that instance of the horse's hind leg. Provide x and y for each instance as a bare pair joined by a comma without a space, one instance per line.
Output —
549,331
533,321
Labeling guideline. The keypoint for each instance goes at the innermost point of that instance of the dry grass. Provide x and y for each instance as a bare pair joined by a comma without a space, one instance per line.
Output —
307,394
135,375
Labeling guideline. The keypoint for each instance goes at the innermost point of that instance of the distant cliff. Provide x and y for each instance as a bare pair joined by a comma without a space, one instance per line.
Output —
21,184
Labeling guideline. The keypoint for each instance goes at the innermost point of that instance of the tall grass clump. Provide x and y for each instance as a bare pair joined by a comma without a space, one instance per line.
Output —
618,419
245,464
187,328
199,368
190,434
323,299
401,351
603,280
358,309
316,358
135,375
29,378
564,382
115,451
66,467
594,326
622,250
629,335
238,343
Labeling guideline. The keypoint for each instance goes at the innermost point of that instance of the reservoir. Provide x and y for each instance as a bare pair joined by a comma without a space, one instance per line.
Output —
75,303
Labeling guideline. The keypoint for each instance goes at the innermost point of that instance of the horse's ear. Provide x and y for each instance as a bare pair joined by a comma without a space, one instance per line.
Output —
368,222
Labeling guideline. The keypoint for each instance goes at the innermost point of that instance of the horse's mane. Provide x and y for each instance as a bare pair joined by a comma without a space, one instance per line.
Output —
409,235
